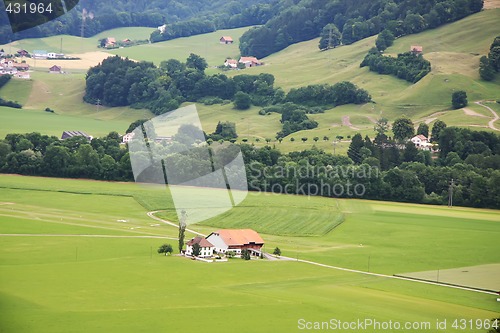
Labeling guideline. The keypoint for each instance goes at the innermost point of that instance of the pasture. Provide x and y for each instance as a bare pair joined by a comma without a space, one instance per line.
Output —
69,262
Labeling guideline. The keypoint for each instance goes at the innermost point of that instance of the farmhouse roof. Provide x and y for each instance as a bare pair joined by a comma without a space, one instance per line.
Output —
416,48
227,38
249,59
421,137
70,134
111,40
232,61
55,68
239,236
201,241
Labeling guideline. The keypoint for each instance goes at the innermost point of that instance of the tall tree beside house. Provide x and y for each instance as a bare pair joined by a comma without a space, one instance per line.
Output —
330,37
245,254
196,249
182,229
459,99
423,129
354,152
403,129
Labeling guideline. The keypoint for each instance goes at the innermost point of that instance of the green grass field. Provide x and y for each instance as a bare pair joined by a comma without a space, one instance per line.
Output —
68,264
206,45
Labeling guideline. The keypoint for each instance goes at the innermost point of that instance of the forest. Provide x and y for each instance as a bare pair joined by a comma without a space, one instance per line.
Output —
407,66
383,168
97,16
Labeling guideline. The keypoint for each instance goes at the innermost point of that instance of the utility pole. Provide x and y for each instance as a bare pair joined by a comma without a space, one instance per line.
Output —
334,146
330,37
98,104
450,193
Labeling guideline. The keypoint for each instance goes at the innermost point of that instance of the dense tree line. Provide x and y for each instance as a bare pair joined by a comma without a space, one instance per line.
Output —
332,95
354,20
42,155
183,17
472,158
407,66
120,82
489,65
380,169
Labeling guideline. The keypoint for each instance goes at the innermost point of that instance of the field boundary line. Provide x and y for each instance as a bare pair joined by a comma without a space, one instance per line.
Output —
390,276
83,235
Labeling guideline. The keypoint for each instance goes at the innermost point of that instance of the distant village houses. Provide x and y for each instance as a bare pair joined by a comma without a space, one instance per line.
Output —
55,70
250,61
226,40
421,142
162,28
231,63
14,68
71,134
244,62
40,54
127,137
416,49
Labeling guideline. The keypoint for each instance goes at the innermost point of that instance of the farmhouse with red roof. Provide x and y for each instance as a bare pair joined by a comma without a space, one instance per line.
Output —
226,40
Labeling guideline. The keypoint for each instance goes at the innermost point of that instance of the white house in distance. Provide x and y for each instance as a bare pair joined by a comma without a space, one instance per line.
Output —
127,137
250,61
162,28
206,248
421,142
231,63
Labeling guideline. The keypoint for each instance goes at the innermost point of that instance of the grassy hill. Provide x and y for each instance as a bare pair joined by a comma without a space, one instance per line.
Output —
453,50
206,45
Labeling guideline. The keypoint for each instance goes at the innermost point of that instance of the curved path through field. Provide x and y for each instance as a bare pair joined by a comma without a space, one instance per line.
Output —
491,123
151,215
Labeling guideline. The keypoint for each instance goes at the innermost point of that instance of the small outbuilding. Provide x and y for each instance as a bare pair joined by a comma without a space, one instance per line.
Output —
226,40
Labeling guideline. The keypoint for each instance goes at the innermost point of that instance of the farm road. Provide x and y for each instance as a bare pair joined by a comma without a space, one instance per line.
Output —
491,123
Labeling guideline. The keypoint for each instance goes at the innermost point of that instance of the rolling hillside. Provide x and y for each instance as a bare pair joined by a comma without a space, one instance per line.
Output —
453,50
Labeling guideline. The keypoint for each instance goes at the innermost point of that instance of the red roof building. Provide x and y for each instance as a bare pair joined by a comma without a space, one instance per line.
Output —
235,240
226,40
